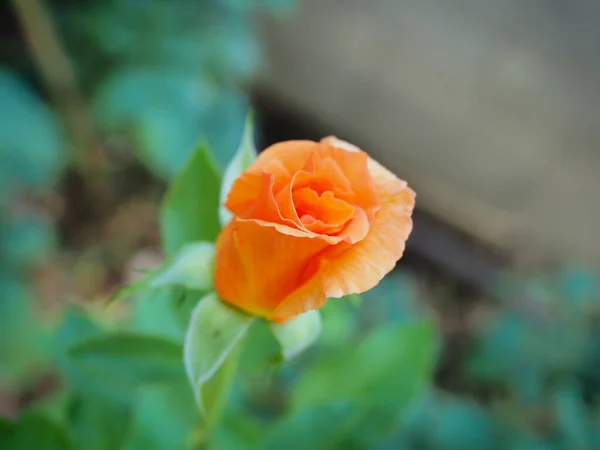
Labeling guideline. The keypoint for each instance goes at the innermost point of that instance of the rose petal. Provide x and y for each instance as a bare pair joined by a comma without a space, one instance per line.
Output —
348,269
329,214
258,264
319,175
283,160
355,166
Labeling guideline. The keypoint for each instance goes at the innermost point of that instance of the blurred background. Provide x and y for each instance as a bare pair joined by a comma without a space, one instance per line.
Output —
490,110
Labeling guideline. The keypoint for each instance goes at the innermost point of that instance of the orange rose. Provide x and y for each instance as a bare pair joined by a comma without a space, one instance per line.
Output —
311,221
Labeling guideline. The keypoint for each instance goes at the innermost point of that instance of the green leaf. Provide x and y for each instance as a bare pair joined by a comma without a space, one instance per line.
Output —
155,313
215,392
6,431
53,406
92,415
240,430
392,366
130,358
323,427
298,333
33,148
77,327
26,239
23,336
164,417
192,268
157,108
339,324
190,210
34,431
354,299
245,155
214,330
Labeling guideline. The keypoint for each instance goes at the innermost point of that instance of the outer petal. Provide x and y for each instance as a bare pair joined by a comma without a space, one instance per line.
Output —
283,160
348,269
260,264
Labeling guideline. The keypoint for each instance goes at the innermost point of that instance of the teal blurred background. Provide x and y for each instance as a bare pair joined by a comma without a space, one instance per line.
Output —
484,337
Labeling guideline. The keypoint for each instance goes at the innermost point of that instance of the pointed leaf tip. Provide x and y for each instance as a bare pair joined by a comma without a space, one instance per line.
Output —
244,156
190,208
192,268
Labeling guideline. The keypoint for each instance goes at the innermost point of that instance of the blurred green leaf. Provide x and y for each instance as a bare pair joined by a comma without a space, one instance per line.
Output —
579,285
298,333
100,423
454,424
165,417
190,210
163,110
33,431
382,377
245,155
130,358
536,443
158,109
26,239
54,405
497,349
572,415
324,427
76,327
6,432
216,391
340,323
240,430
261,351
394,299
33,149
191,268
223,124
214,330
276,6
155,313
23,335
393,365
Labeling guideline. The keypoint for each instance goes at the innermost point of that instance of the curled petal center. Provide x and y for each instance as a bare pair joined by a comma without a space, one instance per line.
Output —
325,208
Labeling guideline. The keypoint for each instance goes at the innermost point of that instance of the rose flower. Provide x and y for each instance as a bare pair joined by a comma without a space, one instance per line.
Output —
311,221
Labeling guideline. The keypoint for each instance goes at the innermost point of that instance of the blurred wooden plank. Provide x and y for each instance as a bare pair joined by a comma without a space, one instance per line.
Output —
484,107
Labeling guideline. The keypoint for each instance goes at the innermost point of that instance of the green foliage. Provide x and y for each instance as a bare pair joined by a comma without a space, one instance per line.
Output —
130,358
26,239
358,394
190,208
160,125
191,268
161,76
379,374
320,428
164,417
163,127
98,424
33,431
245,155
213,332
22,337
298,333
32,145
